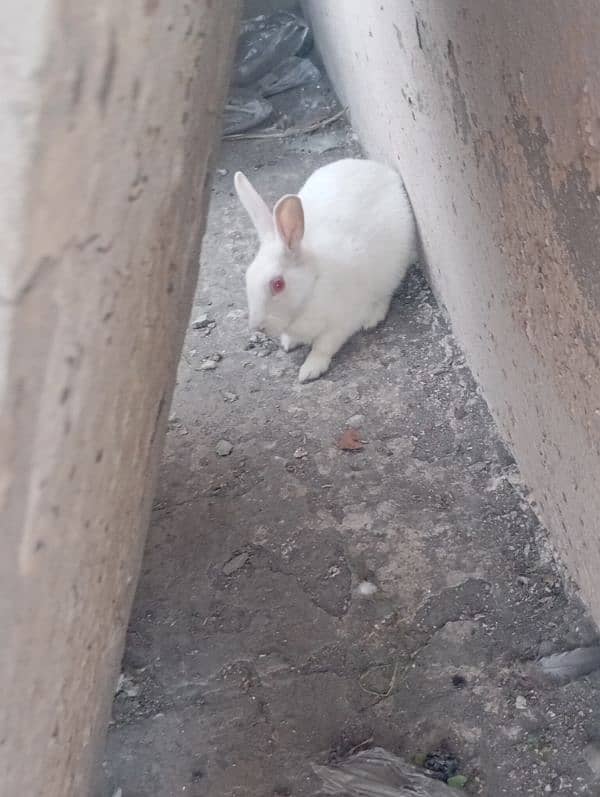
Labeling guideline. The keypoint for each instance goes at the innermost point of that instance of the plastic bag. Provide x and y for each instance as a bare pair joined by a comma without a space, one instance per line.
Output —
572,664
266,41
377,773
289,74
243,111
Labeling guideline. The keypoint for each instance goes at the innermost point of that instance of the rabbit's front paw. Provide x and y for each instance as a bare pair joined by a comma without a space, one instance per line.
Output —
314,366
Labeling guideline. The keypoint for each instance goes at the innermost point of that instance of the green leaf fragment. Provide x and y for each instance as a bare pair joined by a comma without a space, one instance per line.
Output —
458,781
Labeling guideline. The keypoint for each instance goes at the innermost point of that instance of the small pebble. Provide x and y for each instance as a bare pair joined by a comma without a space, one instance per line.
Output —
127,687
216,357
356,421
235,563
300,453
366,588
202,321
521,703
223,172
261,345
223,448
207,365
227,396
254,339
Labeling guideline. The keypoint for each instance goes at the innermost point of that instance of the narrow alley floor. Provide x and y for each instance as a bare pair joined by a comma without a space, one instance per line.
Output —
250,652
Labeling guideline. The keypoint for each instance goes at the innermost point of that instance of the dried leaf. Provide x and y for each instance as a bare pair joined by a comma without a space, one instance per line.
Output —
350,441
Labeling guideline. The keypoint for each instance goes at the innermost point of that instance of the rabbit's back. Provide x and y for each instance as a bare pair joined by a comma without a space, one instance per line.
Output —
359,223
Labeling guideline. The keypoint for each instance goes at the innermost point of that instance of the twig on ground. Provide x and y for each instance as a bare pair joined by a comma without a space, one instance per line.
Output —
292,131
390,688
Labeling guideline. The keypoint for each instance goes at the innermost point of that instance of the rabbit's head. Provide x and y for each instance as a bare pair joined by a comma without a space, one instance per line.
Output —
280,279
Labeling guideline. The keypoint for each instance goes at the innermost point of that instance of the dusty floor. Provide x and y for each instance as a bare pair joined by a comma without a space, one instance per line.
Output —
250,653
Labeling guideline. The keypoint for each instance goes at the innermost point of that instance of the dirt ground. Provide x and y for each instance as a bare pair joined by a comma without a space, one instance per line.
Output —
251,653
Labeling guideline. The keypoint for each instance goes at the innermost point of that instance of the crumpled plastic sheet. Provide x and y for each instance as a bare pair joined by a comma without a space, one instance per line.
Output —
265,41
377,773
289,74
243,111
267,62
247,108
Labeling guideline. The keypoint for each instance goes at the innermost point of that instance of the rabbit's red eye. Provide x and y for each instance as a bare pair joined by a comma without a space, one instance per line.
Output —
277,285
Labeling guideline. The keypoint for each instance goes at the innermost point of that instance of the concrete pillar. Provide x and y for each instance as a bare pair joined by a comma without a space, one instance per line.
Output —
491,112
110,116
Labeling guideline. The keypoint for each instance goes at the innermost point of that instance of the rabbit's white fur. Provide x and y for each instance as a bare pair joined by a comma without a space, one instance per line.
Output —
342,246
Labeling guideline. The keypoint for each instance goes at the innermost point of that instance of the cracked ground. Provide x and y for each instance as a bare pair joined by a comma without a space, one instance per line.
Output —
250,652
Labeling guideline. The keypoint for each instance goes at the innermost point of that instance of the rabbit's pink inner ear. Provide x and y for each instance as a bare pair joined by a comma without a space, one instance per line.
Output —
289,220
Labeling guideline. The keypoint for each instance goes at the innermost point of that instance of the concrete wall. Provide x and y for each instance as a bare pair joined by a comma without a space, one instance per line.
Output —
492,113
253,8
110,113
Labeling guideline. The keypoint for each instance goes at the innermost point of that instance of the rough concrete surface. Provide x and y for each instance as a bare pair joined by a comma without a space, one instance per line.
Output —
491,111
101,211
250,651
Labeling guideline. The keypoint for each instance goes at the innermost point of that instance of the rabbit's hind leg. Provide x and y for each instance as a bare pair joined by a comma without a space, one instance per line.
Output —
377,314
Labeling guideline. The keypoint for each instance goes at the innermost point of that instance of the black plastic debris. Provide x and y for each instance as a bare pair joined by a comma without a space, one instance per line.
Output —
269,61
266,41
289,74
441,765
243,111
377,773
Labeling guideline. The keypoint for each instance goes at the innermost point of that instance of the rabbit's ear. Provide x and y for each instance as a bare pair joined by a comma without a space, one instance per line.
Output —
289,220
254,204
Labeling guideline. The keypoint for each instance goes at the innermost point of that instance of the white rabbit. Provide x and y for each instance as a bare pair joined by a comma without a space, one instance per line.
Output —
330,257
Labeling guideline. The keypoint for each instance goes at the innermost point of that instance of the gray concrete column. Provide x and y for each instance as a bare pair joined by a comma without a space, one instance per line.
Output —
491,111
109,119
